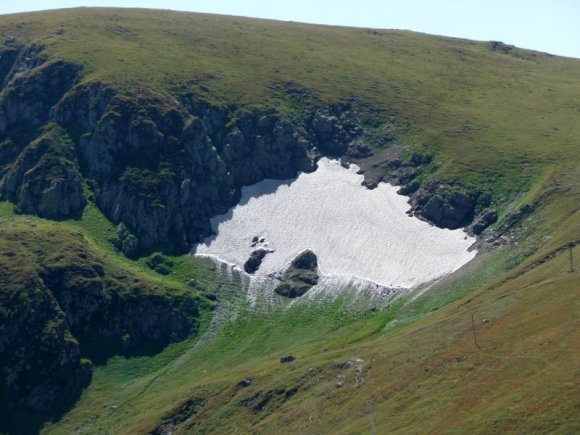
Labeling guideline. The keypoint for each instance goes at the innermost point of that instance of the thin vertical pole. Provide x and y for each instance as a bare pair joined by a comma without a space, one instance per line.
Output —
473,328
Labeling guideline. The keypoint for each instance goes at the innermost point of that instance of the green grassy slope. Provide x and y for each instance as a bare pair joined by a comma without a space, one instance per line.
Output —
426,377
503,119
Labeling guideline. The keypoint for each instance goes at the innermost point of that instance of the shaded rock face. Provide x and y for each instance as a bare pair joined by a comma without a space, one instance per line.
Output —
42,176
45,179
334,133
32,91
446,206
486,219
8,56
300,276
165,171
97,306
40,365
449,210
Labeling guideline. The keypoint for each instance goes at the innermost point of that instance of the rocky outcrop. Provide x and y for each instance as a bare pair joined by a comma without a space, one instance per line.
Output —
101,307
170,422
160,167
448,209
45,179
163,170
335,134
487,218
448,206
443,203
32,90
301,276
512,218
500,46
8,55
40,365
29,89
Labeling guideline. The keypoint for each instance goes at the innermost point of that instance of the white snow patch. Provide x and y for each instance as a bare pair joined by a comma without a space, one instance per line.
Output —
354,231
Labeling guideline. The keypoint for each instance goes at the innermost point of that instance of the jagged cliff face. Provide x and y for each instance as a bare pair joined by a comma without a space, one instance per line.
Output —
163,171
159,167
44,178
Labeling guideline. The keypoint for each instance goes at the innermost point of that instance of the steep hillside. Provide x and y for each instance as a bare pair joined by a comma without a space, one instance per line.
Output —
122,132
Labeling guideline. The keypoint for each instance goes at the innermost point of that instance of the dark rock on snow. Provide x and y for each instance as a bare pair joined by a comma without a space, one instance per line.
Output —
409,189
300,276
305,260
253,263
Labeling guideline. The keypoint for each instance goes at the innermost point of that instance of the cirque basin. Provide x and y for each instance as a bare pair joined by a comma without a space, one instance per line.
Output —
354,231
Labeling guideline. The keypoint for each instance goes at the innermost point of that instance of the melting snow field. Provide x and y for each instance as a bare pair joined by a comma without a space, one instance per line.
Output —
355,232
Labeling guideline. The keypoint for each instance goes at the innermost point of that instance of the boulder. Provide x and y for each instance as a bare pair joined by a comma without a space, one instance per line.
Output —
253,263
333,133
408,189
305,260
446,208
245,383
300,276
418,159
486,219
513,218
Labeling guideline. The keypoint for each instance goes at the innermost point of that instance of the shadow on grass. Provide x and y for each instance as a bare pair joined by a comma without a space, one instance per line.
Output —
100,349
23,421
